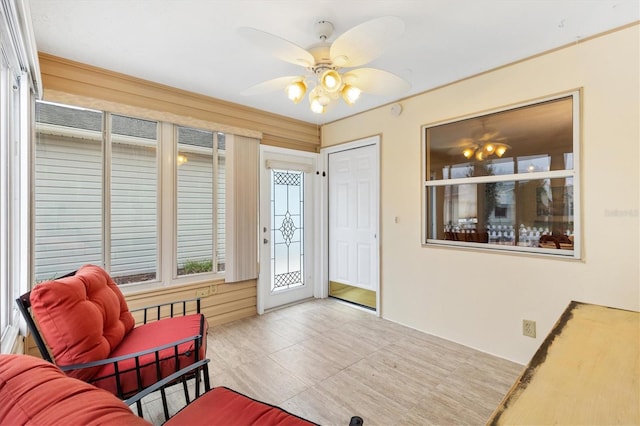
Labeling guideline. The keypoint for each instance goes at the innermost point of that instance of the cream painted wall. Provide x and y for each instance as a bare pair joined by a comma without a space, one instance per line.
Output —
480,298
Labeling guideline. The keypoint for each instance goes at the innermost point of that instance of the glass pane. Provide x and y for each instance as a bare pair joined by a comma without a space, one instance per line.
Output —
134,183
528,139
287,231
195,201
68,189
532,213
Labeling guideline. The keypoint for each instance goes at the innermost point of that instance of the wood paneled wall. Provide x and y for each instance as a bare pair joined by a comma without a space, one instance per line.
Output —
64,76
30,347
222,303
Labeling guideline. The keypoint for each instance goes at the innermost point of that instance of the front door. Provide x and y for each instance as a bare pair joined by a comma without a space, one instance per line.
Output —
286,226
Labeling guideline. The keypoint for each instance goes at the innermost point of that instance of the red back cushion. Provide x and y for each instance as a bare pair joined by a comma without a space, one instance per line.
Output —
35,392
82,318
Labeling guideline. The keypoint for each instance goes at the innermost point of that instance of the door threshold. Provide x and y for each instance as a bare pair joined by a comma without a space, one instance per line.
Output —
355,305
287,305
357,295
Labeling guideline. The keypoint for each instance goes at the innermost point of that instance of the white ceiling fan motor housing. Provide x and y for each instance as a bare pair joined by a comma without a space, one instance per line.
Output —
321,50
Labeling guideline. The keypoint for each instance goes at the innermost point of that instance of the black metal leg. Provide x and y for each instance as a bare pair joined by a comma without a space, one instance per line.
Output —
207,385
186,389
197,383
165,407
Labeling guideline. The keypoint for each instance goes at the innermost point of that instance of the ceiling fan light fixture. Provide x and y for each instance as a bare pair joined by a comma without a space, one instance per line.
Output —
324,61
296,91
331,81
350,94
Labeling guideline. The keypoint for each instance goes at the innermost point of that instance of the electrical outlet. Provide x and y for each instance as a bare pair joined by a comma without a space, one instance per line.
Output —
529,328
202,292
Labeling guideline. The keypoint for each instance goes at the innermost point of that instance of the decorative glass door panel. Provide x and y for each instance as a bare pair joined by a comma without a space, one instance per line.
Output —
287,229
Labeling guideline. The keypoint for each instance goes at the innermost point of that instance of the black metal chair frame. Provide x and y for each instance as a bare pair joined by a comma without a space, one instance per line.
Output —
180,376
354,421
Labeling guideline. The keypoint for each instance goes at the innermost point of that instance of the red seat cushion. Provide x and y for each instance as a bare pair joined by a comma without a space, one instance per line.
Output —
35,392
147,336
222,406
82,317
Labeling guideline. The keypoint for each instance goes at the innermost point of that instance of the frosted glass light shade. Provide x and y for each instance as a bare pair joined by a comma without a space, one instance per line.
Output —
350,94
331,81
296,90
316,106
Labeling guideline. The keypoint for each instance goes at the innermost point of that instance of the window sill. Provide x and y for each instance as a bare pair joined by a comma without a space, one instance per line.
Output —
9,339
506,249
184,283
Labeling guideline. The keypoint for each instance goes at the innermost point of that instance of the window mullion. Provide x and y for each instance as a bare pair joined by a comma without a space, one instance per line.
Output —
167,198
106,190
214,210
5,279
555,174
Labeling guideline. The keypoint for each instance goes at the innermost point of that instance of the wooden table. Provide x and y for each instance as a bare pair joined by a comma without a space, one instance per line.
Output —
586,372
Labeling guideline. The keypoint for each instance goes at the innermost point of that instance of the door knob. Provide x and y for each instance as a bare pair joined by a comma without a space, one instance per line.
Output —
265,241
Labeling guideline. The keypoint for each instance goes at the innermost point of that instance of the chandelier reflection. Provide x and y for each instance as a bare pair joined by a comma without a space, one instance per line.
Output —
485,150
484,143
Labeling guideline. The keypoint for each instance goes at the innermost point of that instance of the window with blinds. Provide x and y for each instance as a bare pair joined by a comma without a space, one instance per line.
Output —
98,196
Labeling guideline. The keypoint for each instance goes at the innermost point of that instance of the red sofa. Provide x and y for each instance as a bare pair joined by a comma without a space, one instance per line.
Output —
35,392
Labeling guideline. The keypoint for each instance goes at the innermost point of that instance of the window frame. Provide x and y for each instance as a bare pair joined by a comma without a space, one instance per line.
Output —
166,202
216,156
20,85
109,140
10,227
574,172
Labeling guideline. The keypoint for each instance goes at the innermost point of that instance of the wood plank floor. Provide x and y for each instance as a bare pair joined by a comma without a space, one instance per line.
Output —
326,361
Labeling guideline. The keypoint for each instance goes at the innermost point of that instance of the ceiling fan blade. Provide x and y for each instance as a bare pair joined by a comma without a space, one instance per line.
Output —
278,47
375,81
365,42
487,135
270,85
463,142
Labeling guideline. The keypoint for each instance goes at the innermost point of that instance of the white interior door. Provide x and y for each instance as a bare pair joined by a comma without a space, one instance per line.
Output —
287,227
353,216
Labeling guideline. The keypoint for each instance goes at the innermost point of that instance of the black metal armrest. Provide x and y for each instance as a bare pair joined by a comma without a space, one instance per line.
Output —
195,338
180,304
167,380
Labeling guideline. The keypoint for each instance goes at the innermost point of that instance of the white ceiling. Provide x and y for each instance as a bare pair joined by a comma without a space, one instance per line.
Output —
194,44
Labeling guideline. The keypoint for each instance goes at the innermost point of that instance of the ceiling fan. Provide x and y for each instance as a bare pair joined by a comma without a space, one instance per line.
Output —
330,72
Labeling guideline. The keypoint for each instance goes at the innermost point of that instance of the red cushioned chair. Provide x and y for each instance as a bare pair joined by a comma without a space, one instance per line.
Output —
35,392
84,326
